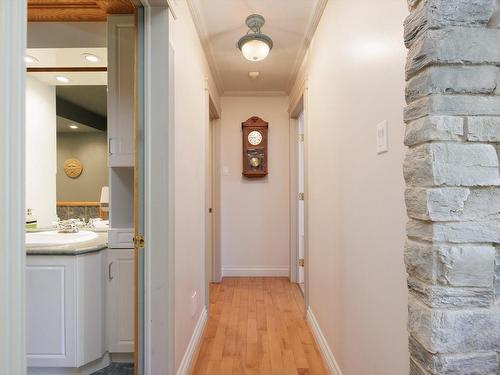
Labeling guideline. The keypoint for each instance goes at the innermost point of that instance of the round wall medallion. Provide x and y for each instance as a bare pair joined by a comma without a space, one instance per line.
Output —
73,168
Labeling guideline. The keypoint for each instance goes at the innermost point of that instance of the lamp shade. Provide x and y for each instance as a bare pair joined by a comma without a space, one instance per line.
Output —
255,50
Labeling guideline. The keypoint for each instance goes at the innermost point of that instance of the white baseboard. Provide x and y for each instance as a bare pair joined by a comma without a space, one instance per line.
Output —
87,369
236,271
190,354
122,357
325,350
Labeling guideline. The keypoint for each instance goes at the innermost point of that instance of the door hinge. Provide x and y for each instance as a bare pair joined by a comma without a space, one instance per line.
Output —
139,241
301,262
301,196
301,137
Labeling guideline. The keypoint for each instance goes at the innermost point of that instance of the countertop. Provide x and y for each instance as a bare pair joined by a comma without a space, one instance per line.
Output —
92,246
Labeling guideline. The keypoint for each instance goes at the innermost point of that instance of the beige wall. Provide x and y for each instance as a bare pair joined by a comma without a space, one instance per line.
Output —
191,133
91,150
254,212
356,208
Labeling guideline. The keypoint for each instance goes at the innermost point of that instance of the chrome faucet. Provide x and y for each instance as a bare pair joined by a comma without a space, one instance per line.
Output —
67,226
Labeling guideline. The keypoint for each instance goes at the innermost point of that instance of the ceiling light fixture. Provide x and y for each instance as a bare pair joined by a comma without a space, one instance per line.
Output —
73,127
30,59
90,57
63,79
253,75
255,46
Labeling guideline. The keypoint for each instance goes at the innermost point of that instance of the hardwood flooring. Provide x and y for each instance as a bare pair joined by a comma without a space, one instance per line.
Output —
257,326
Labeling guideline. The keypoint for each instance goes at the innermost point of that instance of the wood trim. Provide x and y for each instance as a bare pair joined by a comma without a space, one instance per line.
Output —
76,10
78,204
68,69
136,197
66,15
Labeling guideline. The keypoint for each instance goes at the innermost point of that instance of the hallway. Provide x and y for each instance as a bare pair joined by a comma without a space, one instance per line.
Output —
257,326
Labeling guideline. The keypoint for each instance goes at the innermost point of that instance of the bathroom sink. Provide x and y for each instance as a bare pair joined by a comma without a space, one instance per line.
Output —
56,238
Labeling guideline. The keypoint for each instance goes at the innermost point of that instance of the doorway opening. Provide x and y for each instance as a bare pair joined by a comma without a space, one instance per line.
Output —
298,191
300,202
212,211
81,95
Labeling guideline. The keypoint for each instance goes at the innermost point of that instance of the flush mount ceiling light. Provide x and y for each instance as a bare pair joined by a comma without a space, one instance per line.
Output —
63,79
30,59
253,75
255,46
90,57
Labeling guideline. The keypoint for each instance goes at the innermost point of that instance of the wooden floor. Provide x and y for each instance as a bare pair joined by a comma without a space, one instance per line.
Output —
256,326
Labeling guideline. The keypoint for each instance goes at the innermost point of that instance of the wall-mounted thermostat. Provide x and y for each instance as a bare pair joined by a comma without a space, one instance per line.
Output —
382,138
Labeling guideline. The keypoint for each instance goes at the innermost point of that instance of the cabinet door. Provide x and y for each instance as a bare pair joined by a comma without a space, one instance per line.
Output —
121,90
120,301
50,311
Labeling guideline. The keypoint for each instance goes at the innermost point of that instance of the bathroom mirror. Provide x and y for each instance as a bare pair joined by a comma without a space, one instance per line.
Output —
66,134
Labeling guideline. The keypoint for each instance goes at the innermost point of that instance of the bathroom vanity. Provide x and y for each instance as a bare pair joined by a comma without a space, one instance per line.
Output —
79,302
65,312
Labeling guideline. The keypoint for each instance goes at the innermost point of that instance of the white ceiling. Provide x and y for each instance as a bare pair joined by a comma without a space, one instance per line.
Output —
63,126
69,58
290,23
66,57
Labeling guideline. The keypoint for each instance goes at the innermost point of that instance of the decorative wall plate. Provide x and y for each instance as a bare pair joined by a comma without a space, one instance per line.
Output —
73,168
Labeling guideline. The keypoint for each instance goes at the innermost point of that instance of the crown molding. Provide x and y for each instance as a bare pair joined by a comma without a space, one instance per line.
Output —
318,13
255,93
207,48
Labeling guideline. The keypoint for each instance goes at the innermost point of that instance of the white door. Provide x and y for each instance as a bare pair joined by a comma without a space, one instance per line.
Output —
300,188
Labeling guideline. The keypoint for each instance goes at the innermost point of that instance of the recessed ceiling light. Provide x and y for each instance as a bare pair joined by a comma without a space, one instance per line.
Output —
73,127
30,59
90,57
63,79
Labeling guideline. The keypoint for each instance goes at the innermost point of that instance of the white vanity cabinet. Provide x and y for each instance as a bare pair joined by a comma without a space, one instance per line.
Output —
121,46
120,300
64,309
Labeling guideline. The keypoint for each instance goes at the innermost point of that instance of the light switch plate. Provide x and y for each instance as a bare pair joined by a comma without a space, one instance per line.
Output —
382,138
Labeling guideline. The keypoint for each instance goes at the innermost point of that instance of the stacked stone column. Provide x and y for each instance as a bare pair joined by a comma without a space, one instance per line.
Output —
453,186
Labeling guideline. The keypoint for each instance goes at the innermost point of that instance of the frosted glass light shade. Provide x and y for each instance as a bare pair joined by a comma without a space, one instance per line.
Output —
255,50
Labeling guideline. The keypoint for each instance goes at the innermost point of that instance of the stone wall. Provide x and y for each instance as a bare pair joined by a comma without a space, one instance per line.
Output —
453,186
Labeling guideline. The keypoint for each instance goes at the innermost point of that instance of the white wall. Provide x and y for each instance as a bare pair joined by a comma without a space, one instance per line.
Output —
356,212
41,151
191,133
254,212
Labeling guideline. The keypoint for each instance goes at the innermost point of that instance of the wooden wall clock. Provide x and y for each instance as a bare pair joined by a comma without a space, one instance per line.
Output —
255,147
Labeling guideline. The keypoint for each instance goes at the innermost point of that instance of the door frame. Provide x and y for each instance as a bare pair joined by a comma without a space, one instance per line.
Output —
158,324
159,309
213,258
13,23
299,103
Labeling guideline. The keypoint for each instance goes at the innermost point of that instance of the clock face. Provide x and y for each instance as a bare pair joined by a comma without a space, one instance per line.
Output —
254,138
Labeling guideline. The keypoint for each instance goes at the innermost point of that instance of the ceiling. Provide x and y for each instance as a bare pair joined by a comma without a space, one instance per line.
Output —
91,98
290,23
48,60
63,126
